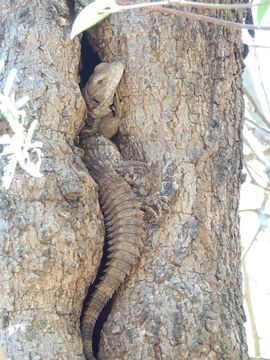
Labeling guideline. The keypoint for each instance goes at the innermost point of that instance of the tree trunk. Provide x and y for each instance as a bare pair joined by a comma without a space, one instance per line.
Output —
182,111
51,229
183,108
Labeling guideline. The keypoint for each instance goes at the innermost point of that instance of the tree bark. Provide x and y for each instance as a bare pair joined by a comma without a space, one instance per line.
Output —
183,108
182,111
51,229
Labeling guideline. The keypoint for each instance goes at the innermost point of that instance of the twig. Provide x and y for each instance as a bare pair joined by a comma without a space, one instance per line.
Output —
259,47
127,5
249,210
250,311
254,152
256,108
165,10
257,125
251,243
261,76
209,19
253,181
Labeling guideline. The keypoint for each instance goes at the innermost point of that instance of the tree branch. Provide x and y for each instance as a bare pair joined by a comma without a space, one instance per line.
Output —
127,5
208,19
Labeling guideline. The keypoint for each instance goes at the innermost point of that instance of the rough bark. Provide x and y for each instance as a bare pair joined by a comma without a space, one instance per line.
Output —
182,97
51,229
182,101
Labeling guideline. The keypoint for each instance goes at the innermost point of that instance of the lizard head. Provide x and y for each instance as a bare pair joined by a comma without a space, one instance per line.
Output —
102,84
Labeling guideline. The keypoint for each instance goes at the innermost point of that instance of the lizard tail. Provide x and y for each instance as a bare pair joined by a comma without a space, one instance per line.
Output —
115,275
94,308
124,230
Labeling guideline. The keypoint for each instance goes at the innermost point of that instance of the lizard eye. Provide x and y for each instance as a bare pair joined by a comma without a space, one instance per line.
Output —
100,81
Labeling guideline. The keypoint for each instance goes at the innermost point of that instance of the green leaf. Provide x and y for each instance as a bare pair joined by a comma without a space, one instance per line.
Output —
262,10
92,14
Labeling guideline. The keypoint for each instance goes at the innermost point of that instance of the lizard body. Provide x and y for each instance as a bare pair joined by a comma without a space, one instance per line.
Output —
121,209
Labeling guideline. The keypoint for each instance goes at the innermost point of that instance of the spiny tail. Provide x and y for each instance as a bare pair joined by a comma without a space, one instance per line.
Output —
124,230
94,308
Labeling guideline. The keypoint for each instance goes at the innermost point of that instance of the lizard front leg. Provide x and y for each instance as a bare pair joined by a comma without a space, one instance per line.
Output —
144,182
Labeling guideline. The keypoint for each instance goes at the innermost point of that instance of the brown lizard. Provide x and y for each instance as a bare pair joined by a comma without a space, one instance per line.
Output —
121,209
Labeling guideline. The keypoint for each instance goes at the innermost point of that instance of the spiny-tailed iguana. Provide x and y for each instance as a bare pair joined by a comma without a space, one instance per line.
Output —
121,209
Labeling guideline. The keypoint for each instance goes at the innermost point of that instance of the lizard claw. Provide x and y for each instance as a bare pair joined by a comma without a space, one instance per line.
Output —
154,208
136,174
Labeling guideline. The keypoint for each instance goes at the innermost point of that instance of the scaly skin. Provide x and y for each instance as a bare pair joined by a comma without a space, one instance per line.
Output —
124,229
122,216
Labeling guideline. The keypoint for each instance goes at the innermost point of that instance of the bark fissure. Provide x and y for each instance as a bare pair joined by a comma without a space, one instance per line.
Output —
71,7
89,60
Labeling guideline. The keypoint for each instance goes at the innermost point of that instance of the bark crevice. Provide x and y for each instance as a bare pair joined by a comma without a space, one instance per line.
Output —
89,60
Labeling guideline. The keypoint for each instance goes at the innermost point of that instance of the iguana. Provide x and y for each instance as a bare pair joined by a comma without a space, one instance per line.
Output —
121,209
